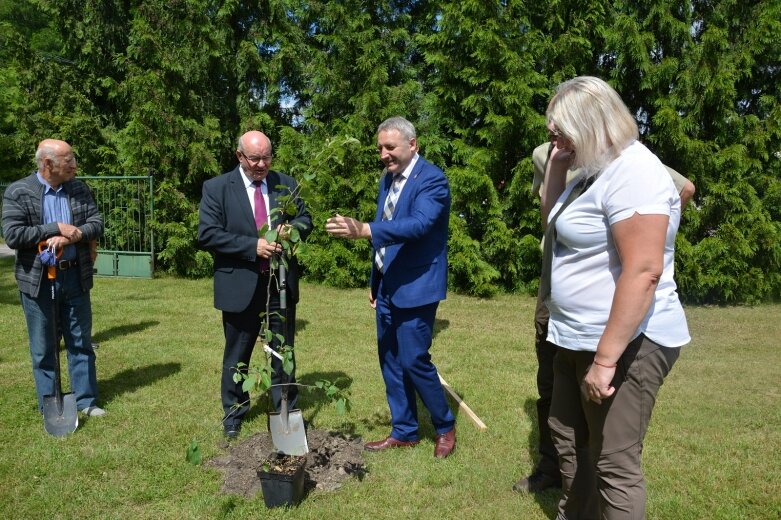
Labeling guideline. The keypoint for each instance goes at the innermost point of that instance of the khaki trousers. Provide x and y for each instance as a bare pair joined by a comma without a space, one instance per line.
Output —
600,445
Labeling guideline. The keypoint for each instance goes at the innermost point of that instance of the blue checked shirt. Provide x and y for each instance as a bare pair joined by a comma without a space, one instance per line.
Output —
57,209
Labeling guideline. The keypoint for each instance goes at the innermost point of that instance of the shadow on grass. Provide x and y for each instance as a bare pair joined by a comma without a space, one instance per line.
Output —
381,422
439,326
533,443
122,330
9,292
134,378
300,324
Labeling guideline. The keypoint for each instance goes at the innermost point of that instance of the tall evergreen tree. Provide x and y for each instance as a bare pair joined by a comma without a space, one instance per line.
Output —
358,66
704,85
481,85
167,86
24,29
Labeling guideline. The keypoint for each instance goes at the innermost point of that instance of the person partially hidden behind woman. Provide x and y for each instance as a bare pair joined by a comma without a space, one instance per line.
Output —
615,316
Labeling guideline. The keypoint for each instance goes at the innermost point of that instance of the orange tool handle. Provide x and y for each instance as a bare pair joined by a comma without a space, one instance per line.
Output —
51,272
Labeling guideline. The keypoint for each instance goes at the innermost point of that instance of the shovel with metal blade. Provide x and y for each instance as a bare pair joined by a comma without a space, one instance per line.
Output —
287,426
60,416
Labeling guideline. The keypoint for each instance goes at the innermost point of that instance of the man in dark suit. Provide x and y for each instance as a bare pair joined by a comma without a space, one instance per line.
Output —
408,280
233,208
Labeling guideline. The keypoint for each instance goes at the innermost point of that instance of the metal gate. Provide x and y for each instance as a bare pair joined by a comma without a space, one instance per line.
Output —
127,247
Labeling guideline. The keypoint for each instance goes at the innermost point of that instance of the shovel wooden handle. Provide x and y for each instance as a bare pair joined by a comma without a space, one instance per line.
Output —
463,406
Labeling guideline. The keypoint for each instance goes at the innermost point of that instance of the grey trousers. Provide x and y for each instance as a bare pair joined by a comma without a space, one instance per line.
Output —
600,445
546,352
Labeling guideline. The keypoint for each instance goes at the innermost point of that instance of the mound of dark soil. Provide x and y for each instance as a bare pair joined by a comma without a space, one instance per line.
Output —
332,459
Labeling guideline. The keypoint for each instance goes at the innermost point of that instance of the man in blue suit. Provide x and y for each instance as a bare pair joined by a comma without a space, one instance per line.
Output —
408,280
233,208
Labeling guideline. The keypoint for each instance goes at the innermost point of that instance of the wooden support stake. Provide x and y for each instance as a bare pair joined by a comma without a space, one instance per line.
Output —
463,406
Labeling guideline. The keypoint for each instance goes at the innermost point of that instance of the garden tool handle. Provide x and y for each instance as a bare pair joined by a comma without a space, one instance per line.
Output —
282,285
51,270
273,352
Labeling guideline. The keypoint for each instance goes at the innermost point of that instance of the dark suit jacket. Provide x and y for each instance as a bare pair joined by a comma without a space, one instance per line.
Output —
415,240
226,227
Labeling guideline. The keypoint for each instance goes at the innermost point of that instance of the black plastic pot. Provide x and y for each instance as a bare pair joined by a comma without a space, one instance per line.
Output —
281,489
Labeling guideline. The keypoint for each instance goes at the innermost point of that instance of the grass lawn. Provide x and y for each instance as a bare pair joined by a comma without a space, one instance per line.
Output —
713,450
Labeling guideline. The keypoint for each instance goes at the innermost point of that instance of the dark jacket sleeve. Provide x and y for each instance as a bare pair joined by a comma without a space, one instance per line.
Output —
22,215
220,228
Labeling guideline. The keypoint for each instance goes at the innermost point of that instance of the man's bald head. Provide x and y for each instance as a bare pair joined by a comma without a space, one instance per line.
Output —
253,138
56,162
254,154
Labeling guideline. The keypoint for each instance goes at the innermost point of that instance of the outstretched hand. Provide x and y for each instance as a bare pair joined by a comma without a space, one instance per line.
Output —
347,227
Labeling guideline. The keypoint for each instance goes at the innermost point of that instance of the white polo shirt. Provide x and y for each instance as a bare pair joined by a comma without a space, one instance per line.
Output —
586,265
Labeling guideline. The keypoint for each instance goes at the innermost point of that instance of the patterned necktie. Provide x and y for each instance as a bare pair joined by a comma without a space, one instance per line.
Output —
261,217
550,236
387,214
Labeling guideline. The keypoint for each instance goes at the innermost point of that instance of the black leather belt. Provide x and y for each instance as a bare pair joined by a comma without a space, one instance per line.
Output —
66,264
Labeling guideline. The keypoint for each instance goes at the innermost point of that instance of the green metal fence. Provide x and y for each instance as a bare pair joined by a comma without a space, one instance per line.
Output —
127,247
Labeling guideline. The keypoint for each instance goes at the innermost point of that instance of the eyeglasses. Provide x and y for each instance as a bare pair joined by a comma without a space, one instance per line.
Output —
256,160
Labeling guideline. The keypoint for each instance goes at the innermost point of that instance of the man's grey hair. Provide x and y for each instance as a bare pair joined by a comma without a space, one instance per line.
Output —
404,127
44,152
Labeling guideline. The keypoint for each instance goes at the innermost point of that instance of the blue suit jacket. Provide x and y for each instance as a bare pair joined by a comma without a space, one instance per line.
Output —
226,227
415,240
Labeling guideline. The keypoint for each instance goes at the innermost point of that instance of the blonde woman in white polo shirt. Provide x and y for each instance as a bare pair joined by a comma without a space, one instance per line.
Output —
615,315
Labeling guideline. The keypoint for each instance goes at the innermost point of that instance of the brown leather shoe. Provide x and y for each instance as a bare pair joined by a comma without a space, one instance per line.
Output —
390,442
446,443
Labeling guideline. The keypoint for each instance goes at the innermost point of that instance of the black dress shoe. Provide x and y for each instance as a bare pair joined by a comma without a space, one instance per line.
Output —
537,482
232,430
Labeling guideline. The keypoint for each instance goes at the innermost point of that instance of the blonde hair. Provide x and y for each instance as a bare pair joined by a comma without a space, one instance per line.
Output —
588,112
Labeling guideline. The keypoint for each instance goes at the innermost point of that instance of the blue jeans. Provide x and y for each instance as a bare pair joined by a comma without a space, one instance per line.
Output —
75,323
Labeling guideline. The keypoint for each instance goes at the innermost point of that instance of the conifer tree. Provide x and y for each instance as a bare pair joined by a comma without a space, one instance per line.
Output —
167,86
